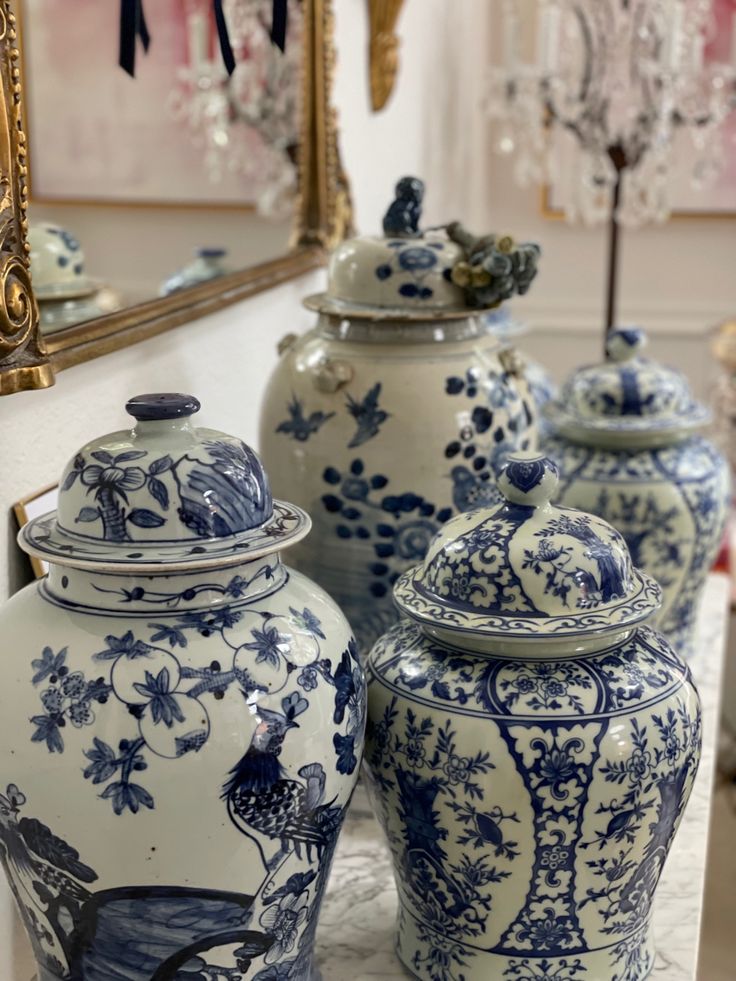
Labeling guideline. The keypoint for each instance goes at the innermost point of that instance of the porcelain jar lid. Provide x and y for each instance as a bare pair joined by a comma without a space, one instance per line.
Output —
442,273
527,569
57,264
163,495
628,399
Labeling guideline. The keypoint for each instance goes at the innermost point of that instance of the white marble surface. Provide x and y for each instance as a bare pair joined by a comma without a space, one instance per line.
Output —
355,939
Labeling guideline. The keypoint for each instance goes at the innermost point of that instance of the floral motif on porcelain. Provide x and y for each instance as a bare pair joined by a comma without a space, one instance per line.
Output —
529,802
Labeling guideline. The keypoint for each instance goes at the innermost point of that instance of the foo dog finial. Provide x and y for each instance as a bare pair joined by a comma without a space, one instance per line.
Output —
402,218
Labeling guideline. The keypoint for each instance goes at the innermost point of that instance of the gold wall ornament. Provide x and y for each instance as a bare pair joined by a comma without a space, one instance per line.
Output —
384,49
23,361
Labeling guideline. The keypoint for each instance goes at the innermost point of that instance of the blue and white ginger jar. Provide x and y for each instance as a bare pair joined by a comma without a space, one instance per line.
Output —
181,717
531,745
626,443
398,409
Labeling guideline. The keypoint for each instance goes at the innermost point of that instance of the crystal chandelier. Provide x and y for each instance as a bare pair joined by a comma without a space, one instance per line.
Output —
246,123
619,78
598,108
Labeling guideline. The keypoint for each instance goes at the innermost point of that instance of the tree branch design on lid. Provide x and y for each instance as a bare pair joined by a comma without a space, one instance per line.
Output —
220,496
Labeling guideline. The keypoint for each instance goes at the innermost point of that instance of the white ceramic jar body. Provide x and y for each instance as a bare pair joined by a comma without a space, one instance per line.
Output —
670,503
383,431
178,753
529,801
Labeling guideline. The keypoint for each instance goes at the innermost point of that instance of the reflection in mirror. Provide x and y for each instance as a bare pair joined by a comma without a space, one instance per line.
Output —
145,185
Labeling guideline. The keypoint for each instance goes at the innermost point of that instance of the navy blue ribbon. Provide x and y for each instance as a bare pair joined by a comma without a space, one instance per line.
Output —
132,27
278,23
225,47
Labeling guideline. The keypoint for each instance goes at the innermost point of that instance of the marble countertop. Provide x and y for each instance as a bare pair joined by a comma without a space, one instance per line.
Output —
360,906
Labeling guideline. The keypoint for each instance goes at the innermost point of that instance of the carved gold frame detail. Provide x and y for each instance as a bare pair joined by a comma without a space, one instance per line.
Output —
24,363
323,216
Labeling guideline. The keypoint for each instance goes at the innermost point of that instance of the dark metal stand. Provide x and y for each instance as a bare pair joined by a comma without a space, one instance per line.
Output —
612,279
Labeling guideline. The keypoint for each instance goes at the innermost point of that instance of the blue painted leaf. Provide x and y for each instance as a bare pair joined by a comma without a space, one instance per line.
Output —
47,730
103,456
331,476
88,514
163,463
345,749
143,518
159,491
383,271
408,289
129,455
49,663
70,478
378,481
294,705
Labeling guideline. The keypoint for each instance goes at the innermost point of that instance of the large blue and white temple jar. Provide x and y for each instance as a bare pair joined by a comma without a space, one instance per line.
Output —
531,745
397,409
627,445
181,717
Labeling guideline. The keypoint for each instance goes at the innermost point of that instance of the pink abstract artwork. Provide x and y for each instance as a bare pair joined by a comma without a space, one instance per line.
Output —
96,134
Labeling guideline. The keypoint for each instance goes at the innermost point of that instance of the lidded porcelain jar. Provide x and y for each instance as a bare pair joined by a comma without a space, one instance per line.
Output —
531,745
181,717
397,410
627,445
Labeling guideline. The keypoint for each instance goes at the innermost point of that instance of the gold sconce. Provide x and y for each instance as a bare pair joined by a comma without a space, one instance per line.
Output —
384,49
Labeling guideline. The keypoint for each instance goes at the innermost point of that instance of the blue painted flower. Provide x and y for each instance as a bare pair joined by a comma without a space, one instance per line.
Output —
557,767
554,857
307,678
415,753
73,685
283,922
417,258
639,765
52,700
81,714
412,539
457,768
525,685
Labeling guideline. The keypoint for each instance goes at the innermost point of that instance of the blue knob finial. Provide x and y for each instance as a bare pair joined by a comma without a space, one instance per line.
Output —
162,405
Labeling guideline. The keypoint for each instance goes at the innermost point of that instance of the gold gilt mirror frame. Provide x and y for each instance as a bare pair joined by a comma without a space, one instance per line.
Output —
322,217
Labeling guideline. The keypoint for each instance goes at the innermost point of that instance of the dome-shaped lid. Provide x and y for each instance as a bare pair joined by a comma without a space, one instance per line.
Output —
527,569
626,399
163,494
57,264
441,274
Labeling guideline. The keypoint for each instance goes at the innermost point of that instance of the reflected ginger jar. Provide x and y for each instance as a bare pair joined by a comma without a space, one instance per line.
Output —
398,408
625,438
181,717
531,745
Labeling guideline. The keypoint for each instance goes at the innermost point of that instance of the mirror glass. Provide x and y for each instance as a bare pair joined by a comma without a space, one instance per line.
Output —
140,186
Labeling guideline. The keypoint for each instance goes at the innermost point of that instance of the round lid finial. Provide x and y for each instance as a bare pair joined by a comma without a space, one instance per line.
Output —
625,343
162,405
529,478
